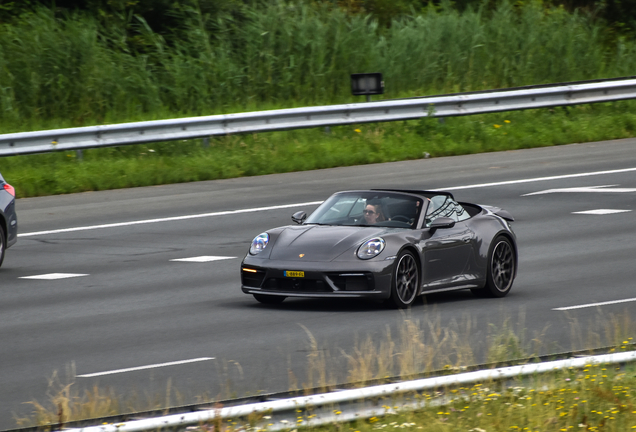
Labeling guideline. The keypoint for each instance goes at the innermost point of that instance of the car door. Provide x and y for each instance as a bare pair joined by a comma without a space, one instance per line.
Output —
446,254
446,250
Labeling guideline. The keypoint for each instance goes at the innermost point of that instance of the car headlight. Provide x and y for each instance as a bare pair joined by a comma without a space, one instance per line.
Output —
371,248
259,243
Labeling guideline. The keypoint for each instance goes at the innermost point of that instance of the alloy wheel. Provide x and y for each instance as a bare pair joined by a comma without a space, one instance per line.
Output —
502,265
406,279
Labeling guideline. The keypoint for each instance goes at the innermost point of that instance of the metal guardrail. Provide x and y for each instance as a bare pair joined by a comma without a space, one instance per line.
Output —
597,354
331,115
348,405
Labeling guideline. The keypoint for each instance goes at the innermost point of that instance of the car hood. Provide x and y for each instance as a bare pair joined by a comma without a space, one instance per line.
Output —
320,243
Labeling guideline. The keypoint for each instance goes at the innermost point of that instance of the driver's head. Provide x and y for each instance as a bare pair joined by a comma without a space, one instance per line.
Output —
373,213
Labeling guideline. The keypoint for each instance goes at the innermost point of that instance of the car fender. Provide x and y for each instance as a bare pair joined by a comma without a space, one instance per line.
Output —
487,227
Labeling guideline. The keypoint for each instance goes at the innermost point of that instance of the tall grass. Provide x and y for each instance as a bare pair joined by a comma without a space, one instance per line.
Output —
419,345
72,70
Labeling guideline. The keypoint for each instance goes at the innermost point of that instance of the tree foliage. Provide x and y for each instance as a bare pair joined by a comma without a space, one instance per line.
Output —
134,20
168,18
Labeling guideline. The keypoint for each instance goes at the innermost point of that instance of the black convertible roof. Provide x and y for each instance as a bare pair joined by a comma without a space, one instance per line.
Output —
427,194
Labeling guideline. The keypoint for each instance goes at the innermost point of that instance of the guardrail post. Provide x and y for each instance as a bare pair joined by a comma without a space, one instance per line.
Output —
206,142
79,155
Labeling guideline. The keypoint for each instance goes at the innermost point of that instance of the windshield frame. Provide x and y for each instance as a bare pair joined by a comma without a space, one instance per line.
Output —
345,209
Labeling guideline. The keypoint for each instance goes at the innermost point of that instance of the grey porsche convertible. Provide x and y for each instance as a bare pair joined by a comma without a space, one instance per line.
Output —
391,245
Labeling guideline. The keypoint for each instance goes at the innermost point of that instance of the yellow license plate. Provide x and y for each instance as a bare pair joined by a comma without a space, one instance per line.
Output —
294,274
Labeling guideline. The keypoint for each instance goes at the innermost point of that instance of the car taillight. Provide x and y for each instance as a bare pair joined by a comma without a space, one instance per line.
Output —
9,189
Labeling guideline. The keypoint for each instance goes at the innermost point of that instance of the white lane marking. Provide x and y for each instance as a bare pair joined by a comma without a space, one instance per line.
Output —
595,304
539,179
595,189
52,276
168,219
251,210
152,366
601,212
202,259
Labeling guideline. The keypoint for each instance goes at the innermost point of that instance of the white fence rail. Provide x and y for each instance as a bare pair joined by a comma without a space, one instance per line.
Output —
331,115
351,404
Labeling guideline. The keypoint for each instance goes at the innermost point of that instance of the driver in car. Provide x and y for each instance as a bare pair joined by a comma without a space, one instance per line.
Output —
373,213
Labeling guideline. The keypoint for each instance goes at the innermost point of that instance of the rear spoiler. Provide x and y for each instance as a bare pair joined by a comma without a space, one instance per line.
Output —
505,214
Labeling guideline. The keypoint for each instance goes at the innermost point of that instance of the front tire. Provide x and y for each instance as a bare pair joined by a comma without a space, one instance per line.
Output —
501,269
405,282
268,299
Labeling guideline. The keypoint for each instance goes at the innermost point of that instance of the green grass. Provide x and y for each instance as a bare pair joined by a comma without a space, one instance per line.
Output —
278,152
596,398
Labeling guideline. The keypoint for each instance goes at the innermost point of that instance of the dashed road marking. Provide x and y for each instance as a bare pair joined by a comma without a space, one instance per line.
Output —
588,189
152,366
202,259
53,276
601,212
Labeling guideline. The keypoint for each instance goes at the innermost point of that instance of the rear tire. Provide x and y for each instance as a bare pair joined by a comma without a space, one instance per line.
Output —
501,269
269,299
405,282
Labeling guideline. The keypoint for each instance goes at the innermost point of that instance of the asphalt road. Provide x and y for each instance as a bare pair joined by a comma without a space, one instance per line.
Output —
136,322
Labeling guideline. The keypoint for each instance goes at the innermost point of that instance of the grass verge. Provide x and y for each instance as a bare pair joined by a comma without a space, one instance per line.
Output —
597,397
299,150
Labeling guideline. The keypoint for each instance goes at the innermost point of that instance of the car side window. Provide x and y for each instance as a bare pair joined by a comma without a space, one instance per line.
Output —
461,212
445,206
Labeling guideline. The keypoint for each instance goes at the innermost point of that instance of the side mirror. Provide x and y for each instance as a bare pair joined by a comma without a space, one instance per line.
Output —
299,217
443,222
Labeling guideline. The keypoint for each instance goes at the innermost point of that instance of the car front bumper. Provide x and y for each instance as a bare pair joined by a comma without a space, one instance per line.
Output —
363,279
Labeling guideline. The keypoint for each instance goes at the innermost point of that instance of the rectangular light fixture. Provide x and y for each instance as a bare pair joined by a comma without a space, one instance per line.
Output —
366,84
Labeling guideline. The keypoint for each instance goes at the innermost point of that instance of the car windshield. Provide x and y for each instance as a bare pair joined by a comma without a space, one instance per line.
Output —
368,208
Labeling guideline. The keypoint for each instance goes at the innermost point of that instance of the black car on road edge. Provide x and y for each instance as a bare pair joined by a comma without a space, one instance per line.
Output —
8,218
